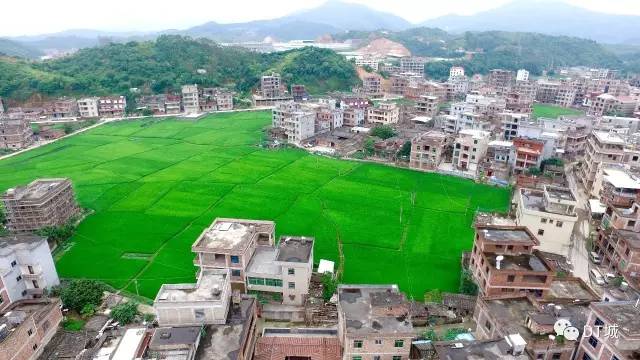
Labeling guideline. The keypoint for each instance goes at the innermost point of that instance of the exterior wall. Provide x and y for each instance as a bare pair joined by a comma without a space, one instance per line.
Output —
426,152
300,279
190,99
54,209
15,132
353,117
384,114
598,153
88,107
469,150
22,346
606,347
112,106
386,350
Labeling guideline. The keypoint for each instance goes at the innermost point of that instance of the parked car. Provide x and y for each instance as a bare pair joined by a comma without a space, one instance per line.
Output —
595,258
596,277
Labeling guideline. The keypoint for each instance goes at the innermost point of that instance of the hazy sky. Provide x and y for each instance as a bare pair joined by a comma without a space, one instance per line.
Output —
23,17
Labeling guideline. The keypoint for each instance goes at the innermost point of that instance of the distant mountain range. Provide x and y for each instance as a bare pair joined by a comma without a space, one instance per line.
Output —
337,17
547,17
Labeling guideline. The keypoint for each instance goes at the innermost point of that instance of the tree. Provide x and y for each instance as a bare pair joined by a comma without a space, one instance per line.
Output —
88,310
369,147
3,216
534,171
147,112
79,293
329,286
125,313
58,234
68,128
467,285
383,132
405,151
430,334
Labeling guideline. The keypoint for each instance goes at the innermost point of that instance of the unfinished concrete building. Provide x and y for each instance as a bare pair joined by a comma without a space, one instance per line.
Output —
374,319
42,203
190,99
296,120
427,105
15,131
271,92
427,150
384,114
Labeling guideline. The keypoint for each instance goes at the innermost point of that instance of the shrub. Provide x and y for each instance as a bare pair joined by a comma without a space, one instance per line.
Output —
80,293
383,132
329,285
88,310
125,313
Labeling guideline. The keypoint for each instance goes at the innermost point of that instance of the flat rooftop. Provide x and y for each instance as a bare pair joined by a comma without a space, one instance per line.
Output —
300,332
263,262
621,179
171,336
21,310
232,234
631,238
523,262
571,289
37,189
533,199
210,287
357,302
295,249
223,342
608,138
480,350
560,193
20,239
510,234
623,313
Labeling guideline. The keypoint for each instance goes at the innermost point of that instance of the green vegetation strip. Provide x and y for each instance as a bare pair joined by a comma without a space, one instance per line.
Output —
553,112
155,194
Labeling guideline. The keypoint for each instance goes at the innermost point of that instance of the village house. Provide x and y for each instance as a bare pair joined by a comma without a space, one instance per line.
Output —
510,123
88,107
190,99
602,148
61,109
528,154
601,342
299,93
27,326
153,103
607,104
384,113
353,116
372,86
179,343
550,214
42,203
286,343
412,64
427,105
427,150
469,149
497,162
112,106
504,262
27,268
373,319
296,120
271,92
15,131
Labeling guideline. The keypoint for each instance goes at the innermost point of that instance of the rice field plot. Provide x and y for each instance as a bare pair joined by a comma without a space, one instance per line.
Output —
154,185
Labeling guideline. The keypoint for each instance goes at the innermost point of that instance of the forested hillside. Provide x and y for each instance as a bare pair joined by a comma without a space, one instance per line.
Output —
167,63
499,49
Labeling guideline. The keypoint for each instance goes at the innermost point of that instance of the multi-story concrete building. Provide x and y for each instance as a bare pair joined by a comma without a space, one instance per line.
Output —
427,150
296,120
190,99
61,109
15,131
328,117
510,123
500,80
230,244
566,95
469,149
2,106
112,106
427,105
353,116
372,85
373,322
42,203
547,91
204,303
27,326
529,154
522,75
88,107
27,268
550,214
531,320
603,343
271,86
456,72
498,160
214,99
173,104
503,262
602,148
299,92
367,60
384,113
607,104
414,65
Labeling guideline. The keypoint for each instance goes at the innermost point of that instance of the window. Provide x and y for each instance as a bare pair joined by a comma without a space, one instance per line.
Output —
558,223
540,356
292,285
235,272
19,278
24,292
540,232
593,342
615,358
35,284
487,325
377,357
509,247
511,278
543,220
29,332
399,343
357,344
598,322
30,268
556,356
273,282
631,223
14,263
356,358
256,281
378,342
291,271
586,356
34,347
235,259
198,314
396,357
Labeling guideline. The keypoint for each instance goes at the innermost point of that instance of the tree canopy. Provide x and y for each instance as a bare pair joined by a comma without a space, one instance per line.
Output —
79,293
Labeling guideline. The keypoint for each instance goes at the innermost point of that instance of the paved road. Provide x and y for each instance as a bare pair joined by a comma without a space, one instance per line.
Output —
578,251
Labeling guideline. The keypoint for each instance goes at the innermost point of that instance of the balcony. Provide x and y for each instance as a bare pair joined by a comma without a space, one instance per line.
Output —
30,272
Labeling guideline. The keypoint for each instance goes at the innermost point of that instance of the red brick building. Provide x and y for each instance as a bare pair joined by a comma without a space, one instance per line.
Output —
309,344
528,154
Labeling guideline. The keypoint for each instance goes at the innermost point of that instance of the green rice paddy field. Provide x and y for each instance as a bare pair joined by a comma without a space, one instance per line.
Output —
155,185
